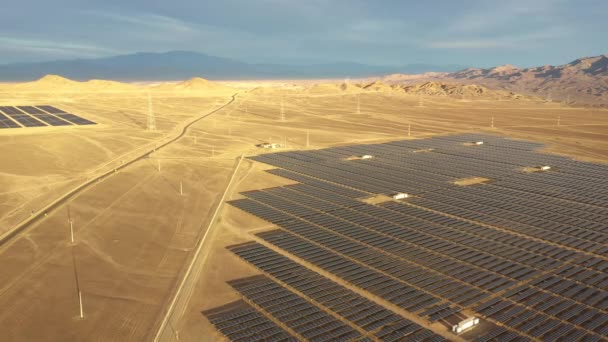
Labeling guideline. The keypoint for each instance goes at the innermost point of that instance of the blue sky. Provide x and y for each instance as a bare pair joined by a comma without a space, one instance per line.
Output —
381,32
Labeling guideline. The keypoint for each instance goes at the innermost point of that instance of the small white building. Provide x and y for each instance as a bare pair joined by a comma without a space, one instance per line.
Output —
268,145
465,325
478,142
367,156
544,168
400,195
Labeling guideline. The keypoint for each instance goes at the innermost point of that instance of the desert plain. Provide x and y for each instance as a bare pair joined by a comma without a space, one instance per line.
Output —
141,201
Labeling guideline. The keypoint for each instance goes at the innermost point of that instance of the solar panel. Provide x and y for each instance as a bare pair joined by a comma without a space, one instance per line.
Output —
525,251
40,116
21,117
5,122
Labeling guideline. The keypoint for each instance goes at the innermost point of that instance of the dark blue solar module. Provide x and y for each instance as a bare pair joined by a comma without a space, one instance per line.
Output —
75,119
5,122
51,109
40,115
21,117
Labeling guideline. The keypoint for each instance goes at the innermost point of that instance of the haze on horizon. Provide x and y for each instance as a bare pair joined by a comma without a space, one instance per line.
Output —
474,32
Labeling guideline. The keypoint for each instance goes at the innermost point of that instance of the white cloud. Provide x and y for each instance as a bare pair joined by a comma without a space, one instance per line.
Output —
148,21
54,48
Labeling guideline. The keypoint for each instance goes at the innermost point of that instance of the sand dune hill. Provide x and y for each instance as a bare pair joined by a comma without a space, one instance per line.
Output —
58,84
194,85
333,88
434,88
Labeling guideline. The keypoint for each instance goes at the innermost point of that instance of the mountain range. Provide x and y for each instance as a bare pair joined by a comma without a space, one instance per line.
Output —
177,65
582,81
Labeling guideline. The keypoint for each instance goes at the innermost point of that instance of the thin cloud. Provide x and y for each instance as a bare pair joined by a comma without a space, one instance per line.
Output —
54,47
147,20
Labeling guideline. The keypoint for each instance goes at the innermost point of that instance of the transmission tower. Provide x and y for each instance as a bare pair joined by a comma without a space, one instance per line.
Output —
151,118
307,139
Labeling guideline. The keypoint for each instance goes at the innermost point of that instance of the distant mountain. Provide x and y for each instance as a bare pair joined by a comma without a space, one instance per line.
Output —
176,65
582,81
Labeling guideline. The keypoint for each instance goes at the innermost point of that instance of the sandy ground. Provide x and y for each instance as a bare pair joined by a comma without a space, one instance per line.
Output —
134,230
382,118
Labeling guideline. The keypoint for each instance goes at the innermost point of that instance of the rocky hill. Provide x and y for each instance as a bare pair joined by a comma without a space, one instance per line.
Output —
435,88
583,81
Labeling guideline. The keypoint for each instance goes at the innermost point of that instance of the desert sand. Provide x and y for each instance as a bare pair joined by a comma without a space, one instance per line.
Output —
135,229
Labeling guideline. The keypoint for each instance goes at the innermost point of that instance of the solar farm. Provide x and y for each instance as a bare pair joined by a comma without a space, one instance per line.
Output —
38,116
388,241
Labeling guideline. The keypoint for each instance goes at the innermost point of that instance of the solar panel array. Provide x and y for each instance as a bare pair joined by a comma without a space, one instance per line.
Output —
38,116
526,252
241,322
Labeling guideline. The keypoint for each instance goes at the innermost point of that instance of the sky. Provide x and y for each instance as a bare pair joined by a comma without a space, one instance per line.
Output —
481,33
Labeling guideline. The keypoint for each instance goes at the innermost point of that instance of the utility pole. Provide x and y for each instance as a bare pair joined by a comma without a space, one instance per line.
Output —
409,130
282,111
71,222
72,231
358,104
158,165
181,188
492,124
80,303
307,139
559,119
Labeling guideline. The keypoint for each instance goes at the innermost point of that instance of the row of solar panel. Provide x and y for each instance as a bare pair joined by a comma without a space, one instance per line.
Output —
333,217
359,176
361,312
384,286
30,116
292,221
408,272
528,225
534,253
568,321
473,158
539,216
388,172
241,322
356,216
297,313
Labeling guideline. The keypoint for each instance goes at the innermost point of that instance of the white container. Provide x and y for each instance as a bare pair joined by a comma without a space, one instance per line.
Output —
400,195
467,324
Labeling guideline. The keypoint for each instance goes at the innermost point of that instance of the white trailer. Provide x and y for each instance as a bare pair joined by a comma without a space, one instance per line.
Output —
400,195
465,325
